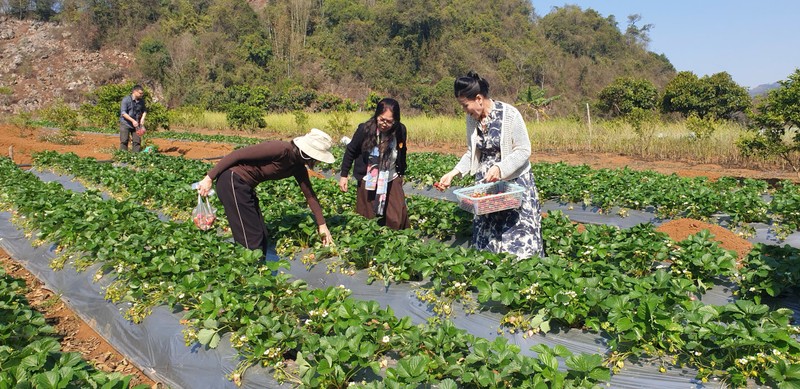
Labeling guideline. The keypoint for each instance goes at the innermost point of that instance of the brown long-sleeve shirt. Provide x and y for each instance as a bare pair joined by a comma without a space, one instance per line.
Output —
271,160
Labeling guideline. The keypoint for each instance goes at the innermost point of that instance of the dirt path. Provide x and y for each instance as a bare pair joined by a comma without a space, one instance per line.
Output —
684,169
23,144
101,147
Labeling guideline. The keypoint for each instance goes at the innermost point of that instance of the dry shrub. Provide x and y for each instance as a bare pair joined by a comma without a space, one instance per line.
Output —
24,123
67,121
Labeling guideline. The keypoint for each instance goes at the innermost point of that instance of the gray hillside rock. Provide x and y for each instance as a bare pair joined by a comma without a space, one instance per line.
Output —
43,62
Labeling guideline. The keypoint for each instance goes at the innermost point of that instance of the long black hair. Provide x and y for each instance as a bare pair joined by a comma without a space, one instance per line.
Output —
371,140
470,86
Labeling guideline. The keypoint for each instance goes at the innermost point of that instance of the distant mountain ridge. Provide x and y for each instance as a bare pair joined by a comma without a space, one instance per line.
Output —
763,89
211,52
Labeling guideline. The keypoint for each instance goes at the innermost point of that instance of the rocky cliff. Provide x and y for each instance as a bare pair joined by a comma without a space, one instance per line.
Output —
43,63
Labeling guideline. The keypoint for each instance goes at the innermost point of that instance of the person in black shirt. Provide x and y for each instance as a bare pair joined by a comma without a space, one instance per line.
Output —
131,119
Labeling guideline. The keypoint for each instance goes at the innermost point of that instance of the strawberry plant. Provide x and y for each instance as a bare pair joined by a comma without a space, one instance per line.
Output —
30,354
745,339
770,271
591,280
225,303
699,258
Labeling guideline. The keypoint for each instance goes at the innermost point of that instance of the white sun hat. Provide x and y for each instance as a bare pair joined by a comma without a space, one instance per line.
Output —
316,144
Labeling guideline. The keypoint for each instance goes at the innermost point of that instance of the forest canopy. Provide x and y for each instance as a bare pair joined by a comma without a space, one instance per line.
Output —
204,52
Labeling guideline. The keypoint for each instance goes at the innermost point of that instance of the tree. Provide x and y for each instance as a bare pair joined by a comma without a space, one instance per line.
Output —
682,94
255,96
41,9
728,97
431,99
300,12
637,35
153,59
644,123
371,102
583,33
398,48
777,118
67,121
104,104
182,16
716,96
113,21
233,18
256,49
626,94
245,117
534,99
700,128
18,8
44,9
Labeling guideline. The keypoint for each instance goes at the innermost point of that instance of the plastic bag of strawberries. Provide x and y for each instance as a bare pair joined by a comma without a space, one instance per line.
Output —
204,214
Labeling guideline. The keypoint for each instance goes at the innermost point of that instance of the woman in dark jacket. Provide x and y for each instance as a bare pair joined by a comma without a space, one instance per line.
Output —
378,149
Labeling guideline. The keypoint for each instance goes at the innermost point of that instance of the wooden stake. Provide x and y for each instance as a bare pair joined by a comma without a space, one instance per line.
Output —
11,152
589,120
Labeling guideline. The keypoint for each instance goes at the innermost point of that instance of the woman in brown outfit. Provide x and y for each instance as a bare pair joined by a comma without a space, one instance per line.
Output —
238,173
378,149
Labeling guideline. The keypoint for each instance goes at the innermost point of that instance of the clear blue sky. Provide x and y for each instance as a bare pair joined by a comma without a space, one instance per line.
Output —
756,42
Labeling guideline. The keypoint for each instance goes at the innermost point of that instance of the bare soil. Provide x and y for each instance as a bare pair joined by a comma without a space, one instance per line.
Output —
80,337
22,144
680,229
101,146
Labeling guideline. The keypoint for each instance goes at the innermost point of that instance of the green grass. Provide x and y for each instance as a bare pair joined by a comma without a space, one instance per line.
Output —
214,120
665,141
423,130
427,131
285,123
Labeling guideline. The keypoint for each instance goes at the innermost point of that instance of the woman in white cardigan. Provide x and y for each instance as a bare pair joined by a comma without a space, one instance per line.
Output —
498,148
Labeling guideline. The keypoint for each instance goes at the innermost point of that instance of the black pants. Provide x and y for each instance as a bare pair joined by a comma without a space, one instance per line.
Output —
242,210
126,132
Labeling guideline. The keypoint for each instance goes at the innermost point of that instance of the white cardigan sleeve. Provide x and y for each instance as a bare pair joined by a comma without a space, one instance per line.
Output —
515,145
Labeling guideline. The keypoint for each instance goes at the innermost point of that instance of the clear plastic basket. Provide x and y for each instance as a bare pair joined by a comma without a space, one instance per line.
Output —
488,198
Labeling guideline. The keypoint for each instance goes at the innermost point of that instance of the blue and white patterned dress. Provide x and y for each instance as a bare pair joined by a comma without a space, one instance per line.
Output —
514,231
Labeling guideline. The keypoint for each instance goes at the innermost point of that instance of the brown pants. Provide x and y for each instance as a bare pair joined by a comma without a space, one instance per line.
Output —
395,216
